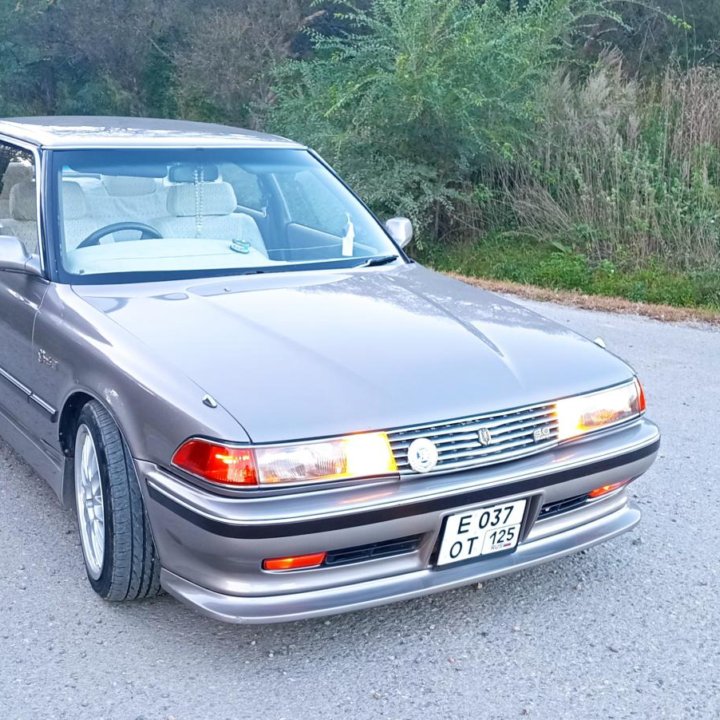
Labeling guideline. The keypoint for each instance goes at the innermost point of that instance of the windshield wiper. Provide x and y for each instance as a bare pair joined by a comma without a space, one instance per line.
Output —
379,260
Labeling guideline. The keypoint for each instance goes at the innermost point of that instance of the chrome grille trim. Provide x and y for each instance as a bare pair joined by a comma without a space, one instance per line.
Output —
459,446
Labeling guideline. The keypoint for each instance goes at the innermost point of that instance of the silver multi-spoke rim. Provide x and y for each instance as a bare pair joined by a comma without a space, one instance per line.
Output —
89,497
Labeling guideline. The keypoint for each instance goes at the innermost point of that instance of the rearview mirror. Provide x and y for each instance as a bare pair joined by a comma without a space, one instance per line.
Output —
14,258
400,229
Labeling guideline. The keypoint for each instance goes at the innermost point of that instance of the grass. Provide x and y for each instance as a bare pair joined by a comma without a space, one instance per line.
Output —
529,262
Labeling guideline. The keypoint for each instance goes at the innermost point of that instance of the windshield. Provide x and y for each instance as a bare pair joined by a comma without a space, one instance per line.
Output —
133,215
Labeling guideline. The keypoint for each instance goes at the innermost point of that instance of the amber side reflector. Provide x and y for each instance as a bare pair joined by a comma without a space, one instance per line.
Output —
296,562
642,402
606,489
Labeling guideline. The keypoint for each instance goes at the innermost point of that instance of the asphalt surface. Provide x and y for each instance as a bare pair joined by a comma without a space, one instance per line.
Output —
629,629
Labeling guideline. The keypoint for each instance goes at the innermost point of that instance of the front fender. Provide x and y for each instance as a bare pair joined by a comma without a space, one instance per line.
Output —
155,405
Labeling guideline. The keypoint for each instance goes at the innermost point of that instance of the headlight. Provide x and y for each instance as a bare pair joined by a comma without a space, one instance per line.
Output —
344,458
585,413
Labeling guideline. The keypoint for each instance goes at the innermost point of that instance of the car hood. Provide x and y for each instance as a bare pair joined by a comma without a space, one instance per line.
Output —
311,354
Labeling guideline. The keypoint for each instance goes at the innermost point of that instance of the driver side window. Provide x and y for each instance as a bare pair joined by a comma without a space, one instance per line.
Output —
18,196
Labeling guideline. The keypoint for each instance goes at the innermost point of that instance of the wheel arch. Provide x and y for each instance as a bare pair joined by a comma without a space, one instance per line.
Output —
67,424
68,418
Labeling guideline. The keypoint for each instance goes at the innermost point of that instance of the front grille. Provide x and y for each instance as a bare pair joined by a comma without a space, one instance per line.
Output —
513,434
373,551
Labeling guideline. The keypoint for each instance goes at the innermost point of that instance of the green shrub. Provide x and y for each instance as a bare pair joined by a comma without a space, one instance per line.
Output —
458,114
425,99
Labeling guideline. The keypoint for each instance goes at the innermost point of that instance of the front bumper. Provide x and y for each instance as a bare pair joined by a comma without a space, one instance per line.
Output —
211,547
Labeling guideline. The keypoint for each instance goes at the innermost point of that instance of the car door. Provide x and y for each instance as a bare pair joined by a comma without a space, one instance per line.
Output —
20,294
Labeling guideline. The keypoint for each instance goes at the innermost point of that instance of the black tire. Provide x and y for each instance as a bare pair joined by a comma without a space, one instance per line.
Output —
130,567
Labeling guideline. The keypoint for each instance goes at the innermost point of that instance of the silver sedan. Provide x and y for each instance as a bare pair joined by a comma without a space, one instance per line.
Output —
257,401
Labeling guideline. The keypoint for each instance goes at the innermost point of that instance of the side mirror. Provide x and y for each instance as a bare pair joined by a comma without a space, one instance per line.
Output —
14,258
400,229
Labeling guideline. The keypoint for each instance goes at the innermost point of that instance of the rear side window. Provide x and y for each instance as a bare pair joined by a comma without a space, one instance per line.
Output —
18,196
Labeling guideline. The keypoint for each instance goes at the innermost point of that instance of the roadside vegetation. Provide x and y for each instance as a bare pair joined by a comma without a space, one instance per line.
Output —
571,144
525,261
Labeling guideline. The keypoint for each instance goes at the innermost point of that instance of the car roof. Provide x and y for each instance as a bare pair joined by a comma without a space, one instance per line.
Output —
66,132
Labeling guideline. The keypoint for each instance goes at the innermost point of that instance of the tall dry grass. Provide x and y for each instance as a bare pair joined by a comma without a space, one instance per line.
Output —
626,173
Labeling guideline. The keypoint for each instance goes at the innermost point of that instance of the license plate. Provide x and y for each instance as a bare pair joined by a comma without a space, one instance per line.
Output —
475,533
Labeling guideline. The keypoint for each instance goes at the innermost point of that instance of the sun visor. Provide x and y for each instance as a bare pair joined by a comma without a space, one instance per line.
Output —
147,171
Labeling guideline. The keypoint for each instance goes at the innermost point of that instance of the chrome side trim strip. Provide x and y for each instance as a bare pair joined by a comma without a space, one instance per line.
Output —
15,382
49,409
25,390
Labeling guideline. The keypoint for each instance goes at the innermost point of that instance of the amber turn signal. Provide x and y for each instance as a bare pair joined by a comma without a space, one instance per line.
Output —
297,562
606,489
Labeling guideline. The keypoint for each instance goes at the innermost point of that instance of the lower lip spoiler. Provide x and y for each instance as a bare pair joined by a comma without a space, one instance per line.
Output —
297,606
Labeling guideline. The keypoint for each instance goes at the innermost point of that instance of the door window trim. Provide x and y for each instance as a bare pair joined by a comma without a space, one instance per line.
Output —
39,181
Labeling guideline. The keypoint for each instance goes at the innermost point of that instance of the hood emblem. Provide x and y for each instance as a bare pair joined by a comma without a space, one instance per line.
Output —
422,455
485,437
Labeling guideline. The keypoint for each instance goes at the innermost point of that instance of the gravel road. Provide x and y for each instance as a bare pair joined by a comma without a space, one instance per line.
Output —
630,629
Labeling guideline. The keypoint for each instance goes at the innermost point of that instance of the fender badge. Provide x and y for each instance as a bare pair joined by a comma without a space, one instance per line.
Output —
47,360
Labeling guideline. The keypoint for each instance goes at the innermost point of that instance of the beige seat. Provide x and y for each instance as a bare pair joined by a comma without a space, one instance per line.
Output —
77,221
22,222
125,186
207,210
124,198
15,173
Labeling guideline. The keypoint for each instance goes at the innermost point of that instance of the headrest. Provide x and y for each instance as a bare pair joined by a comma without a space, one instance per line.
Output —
74,203
126,186
186,173
23,201
207,198
16,172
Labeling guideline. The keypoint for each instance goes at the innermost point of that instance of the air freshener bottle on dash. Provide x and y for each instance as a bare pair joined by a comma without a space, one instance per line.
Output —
241,246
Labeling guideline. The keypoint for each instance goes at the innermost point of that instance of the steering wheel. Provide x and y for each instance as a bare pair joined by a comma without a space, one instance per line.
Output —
148,233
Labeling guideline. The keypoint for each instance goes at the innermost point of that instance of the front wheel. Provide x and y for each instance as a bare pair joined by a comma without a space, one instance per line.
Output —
120,556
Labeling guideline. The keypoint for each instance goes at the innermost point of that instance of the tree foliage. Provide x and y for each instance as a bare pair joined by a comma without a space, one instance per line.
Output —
653,32
467,115
143,57
224,68
83,56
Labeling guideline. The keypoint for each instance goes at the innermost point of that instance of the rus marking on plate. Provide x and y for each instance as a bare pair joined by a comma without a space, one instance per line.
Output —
485,436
